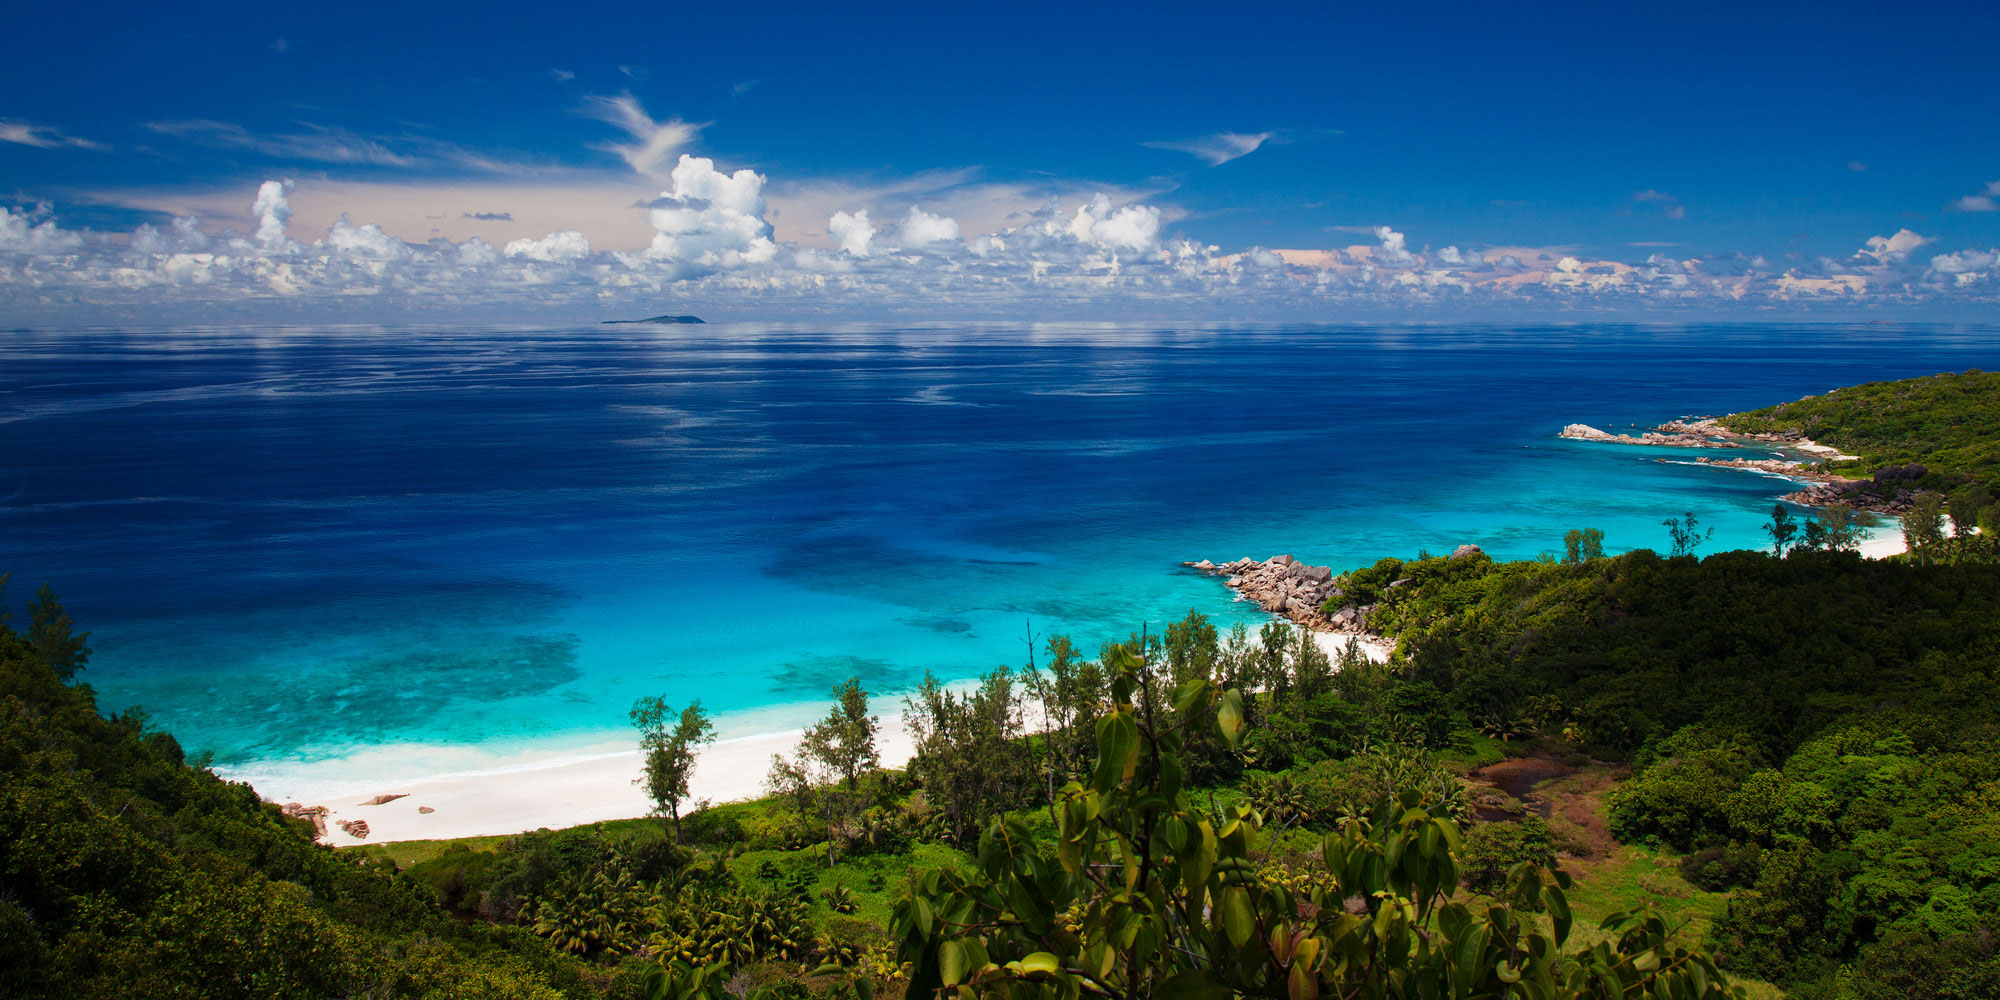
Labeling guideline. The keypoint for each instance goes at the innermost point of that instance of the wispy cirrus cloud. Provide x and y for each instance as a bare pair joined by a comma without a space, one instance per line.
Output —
23,133
1670,206
1220,147
314,143
655,145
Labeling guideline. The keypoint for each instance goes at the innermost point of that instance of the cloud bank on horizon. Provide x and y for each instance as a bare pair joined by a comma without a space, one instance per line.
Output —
1078,251
713,246
1039,160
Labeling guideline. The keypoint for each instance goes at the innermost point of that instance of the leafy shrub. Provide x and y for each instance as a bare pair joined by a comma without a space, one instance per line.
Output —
1716,869
1492,849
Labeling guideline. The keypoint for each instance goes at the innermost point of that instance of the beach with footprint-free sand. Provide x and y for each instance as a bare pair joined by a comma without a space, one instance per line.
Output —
597,784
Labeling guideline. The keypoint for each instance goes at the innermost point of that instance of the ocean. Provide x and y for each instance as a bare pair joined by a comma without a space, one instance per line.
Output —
338,557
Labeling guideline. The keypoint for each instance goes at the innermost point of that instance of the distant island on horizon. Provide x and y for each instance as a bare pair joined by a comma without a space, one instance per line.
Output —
655,319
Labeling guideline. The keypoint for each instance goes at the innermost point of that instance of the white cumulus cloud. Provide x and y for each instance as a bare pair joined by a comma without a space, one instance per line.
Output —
921,228
853,231
272,211
1395,249
1133,227
555,248
710,218
366,241
1893,249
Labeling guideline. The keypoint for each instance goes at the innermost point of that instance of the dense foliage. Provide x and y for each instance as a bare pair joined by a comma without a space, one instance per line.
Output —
1948,425
127,871
1146,894
1820,731
1187,812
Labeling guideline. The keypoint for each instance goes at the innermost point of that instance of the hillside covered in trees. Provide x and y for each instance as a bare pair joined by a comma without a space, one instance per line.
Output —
1610,777
1809,750
1947,424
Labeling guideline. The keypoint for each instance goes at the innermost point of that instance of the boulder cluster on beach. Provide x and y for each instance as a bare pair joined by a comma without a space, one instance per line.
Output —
1289,588
316,814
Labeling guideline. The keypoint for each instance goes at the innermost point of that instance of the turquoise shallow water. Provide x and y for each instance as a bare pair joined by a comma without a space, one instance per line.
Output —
479,546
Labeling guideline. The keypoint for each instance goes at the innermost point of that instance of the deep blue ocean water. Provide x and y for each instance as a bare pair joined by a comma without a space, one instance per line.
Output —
474,546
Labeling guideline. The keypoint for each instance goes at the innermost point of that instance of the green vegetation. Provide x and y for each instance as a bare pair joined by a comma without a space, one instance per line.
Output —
669,752
1820,733
122,860
127,871
1947,425
1584,776
1149,895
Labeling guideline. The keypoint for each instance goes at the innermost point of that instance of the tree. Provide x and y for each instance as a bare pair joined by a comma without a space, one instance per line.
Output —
1923,525
1839,530
825,778
669,752
1968,502
1148,895
50,638
1686,538
1581,545
971,759
1069,694
845,739
1783,530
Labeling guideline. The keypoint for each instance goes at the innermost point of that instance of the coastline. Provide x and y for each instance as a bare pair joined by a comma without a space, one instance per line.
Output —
1818,486
577,786
496,795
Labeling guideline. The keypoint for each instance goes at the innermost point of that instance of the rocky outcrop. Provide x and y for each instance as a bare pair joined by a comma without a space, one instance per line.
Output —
1700,433
1294,591
1585,432
385,799
316,814
356,828
1281,585
1860,494
1883,494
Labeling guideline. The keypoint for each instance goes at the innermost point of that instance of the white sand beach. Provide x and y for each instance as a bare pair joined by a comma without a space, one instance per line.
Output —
584,785
571,790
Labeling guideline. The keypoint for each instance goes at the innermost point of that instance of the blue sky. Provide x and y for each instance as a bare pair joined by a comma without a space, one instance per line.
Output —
1758,140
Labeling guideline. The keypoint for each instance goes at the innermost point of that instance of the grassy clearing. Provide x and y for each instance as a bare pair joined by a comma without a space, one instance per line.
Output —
1634,876
876,880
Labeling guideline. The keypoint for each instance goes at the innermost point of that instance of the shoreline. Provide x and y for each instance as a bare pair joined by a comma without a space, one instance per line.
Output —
578,785
1817,487
504,795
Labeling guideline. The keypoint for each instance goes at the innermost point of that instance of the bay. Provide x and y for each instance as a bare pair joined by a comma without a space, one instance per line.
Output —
293,545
